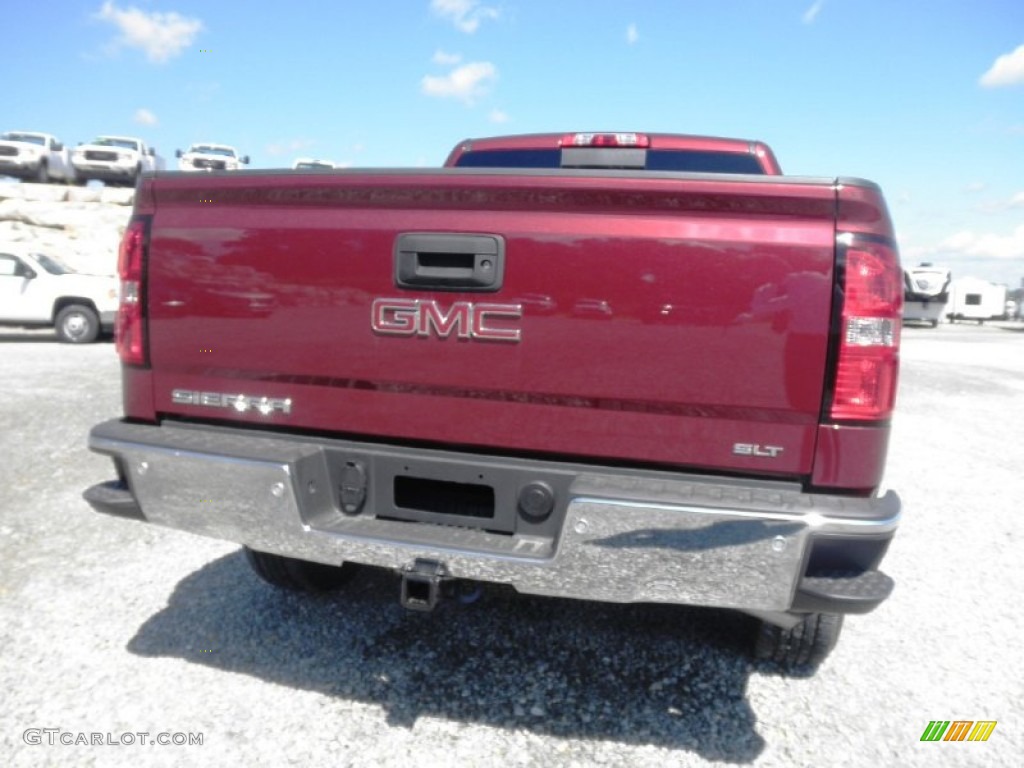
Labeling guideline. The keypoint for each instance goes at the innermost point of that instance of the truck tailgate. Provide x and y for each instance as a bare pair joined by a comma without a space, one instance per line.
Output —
662,319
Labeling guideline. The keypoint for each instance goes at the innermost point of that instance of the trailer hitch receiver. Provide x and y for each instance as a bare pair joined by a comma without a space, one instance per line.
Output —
421,584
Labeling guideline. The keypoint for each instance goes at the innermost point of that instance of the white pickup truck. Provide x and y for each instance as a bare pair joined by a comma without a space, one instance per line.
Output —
210,157
308,164
33,156
115,160
37,290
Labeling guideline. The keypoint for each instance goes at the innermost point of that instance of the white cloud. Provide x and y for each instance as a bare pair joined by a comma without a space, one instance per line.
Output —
632,35
812,13
466,15
1001,206
498,116
466,83
975,186
446,59
986,245
913,253
160,36
1008,69
145,117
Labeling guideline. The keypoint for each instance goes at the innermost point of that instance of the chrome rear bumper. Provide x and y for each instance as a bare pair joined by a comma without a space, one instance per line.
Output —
615,535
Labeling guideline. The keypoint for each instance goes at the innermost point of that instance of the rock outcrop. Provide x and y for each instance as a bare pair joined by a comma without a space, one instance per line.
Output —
81,226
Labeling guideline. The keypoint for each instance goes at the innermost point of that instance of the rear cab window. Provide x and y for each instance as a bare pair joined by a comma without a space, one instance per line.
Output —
678,160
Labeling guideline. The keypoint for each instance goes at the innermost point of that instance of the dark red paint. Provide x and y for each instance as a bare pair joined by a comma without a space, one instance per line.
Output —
664,320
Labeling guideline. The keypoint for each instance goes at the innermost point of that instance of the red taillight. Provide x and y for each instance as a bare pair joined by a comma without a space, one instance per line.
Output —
869,341
130,328
637,140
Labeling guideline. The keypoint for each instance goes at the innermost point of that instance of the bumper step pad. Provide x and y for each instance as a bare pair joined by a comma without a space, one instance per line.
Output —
842,592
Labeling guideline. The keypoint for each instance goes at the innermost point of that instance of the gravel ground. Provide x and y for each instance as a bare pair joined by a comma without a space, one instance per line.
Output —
118,628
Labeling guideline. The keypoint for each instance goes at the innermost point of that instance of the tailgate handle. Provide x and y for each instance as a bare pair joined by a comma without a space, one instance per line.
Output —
449,261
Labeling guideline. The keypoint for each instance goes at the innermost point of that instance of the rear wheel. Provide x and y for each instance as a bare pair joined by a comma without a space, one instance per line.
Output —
77,324
805,645
298,575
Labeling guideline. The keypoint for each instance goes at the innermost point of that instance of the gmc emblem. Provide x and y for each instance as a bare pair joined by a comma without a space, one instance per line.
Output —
416,317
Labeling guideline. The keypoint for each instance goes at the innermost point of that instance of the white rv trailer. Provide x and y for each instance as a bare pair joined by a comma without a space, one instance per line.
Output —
977,300
925,293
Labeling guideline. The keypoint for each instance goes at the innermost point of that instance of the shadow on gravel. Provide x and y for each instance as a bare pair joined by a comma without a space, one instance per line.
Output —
37,338
49,338
665,676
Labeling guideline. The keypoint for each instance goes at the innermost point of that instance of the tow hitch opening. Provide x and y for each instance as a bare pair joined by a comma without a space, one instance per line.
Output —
421,585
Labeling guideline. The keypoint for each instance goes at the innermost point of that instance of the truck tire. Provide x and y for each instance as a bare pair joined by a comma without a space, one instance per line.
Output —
298,575
804,646
77,324
42,173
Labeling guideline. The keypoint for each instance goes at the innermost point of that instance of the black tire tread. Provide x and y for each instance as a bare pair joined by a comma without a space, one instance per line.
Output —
298,575
805,645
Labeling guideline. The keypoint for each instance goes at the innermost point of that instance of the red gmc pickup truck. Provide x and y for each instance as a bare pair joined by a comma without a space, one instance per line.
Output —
617,367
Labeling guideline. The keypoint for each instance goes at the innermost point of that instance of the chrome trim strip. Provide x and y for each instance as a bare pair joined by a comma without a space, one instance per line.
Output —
819,522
